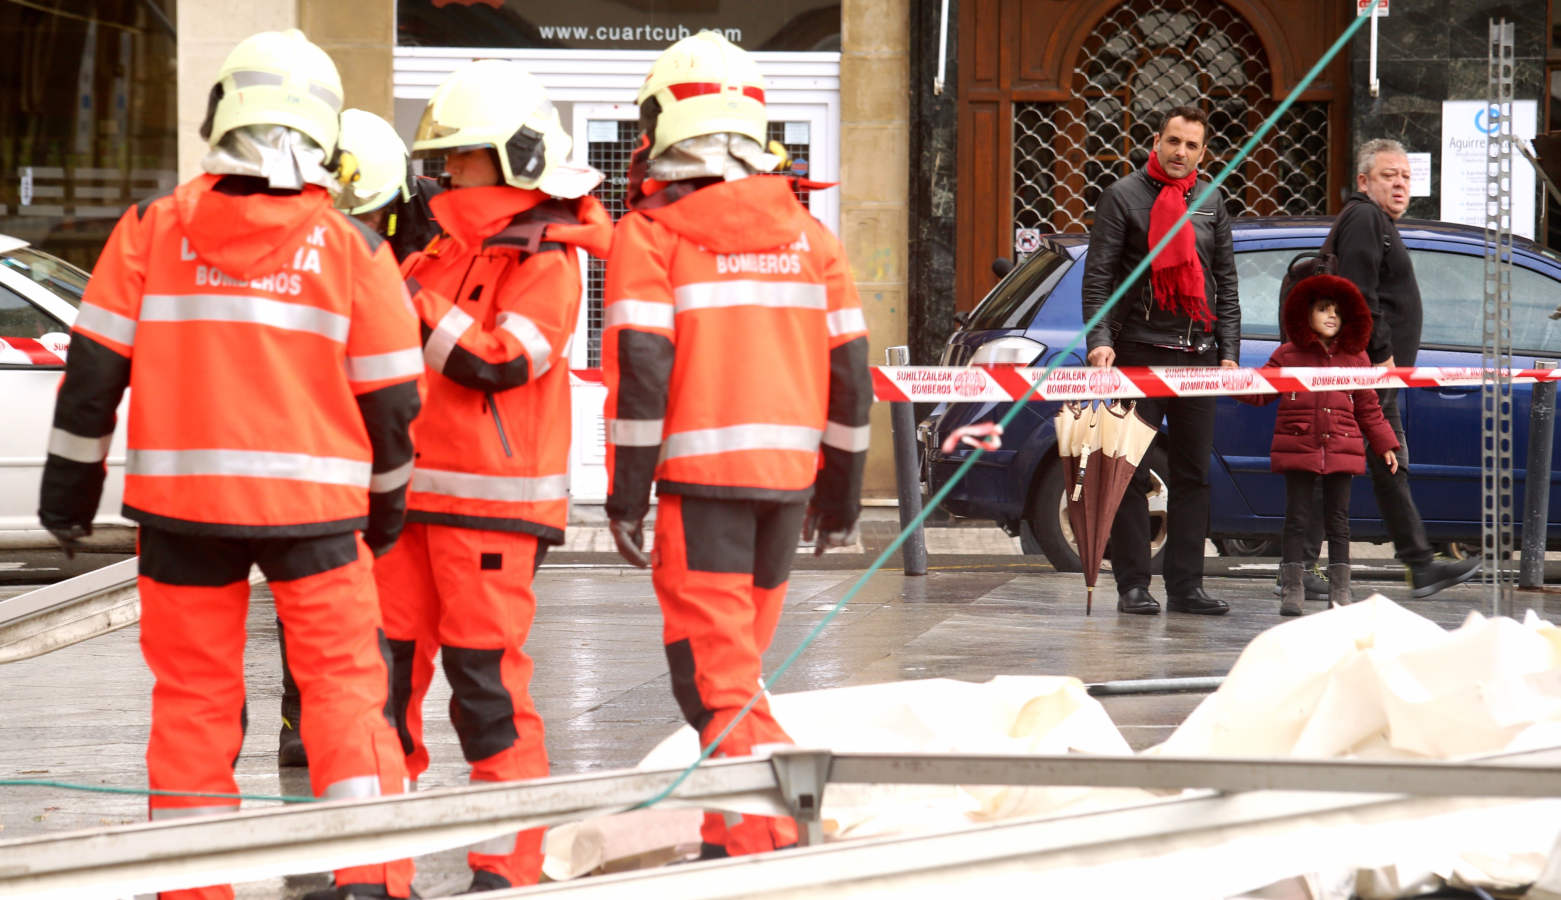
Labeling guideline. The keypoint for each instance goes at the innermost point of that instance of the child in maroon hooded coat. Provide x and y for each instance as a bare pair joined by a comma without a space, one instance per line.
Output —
1318,435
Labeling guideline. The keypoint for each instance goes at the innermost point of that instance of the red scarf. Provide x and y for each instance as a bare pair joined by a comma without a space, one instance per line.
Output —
1176,274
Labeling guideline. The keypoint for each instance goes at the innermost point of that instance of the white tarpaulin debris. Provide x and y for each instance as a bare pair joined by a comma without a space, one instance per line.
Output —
1371,680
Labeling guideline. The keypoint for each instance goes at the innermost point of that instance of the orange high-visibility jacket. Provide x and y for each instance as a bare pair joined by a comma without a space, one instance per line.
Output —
273,362
498,294
734,351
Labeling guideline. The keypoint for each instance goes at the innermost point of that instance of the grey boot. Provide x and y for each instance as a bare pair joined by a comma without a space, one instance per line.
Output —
1291,590
1338,584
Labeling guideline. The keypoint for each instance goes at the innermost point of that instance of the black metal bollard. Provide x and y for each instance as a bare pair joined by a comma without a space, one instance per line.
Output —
1536,481
907,475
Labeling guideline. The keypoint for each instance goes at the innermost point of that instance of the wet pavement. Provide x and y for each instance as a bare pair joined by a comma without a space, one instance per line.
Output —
80,715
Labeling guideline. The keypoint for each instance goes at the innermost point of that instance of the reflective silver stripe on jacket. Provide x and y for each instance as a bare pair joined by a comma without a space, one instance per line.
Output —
247,309
80,449
164,813
250,464
774,294
742,437
503,488
445,336
112,325
357,787
634,432
638,313
406,363
381,482
530,337
846,321
846,437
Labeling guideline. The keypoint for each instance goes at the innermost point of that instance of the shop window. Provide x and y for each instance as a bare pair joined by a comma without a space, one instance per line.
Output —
87,119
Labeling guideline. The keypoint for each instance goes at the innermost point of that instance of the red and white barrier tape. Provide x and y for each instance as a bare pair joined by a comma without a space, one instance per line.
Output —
974,384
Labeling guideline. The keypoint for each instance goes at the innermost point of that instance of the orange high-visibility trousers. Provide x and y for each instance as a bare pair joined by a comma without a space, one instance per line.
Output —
467,593
720,568
194,601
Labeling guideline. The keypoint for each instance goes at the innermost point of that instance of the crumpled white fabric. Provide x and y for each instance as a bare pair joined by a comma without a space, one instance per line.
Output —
724,155
286,158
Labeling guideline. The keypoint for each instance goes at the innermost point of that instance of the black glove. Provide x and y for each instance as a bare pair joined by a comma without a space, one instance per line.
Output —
827,530
387,515
630,538
70,537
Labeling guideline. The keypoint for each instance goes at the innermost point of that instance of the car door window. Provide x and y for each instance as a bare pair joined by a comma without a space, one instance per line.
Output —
19,318
1012,304
1258,275
1452,293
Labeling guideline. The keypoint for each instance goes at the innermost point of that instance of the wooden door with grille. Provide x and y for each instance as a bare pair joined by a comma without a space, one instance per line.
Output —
1058,98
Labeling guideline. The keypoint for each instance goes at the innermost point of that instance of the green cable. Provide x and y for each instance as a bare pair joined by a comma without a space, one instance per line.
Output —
148,792
937,498
1013,410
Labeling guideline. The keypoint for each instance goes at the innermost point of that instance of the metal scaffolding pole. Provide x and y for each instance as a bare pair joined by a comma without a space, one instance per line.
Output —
1496,522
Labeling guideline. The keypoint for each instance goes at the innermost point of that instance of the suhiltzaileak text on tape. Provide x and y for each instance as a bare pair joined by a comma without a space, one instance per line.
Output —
975,384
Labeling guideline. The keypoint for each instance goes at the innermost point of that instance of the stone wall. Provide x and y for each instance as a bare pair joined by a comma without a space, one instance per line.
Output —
874,171
1433,52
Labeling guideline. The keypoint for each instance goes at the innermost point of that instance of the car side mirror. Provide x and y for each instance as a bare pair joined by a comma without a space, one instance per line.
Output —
1002,266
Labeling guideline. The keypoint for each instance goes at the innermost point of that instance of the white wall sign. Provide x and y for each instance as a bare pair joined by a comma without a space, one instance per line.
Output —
1419,174
1465,127
1027,240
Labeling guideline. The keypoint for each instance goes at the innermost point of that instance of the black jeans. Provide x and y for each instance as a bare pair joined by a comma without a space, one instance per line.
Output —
1189,439
1394,502
1301,514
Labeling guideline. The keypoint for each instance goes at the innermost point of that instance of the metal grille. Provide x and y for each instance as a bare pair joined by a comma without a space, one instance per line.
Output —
611,158
776,131
1143,57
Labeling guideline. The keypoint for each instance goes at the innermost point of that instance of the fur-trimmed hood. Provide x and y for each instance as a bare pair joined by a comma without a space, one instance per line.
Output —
1354,315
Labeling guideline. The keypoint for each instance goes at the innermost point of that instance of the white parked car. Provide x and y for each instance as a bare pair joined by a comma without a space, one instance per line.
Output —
39,294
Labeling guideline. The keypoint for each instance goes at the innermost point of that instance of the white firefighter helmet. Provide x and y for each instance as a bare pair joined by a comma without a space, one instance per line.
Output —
703,84
276,78
382,162
497,104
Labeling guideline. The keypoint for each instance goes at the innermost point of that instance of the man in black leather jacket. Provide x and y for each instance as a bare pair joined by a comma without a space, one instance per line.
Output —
1161,321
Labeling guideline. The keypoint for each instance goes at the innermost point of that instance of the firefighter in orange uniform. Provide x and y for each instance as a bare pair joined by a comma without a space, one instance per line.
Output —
274,367
385,196
498,294
734,352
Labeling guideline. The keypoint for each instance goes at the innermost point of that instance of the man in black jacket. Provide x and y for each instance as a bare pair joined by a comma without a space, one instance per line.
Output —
1373,256
1185,312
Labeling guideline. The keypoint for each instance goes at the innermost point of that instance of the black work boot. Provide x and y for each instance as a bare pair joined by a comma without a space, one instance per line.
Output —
1138,602
483,880
1339,585
290,752
352,892
1440,574
1197,602
1292,592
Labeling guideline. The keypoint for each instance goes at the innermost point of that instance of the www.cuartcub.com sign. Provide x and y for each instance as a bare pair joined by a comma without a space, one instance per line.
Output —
617,25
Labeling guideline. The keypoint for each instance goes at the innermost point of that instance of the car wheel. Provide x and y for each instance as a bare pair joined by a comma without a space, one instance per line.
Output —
1047,515
1247,547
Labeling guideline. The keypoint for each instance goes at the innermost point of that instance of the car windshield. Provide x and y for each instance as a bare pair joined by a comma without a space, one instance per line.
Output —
63,279
1012,304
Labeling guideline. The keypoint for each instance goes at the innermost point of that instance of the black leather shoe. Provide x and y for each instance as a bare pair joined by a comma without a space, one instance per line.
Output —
1198,603
1138,602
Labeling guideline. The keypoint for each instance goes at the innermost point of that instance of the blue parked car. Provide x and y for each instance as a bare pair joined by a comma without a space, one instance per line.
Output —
1033,313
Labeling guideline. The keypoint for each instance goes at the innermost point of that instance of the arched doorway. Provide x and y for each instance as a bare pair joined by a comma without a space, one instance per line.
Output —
1077,107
